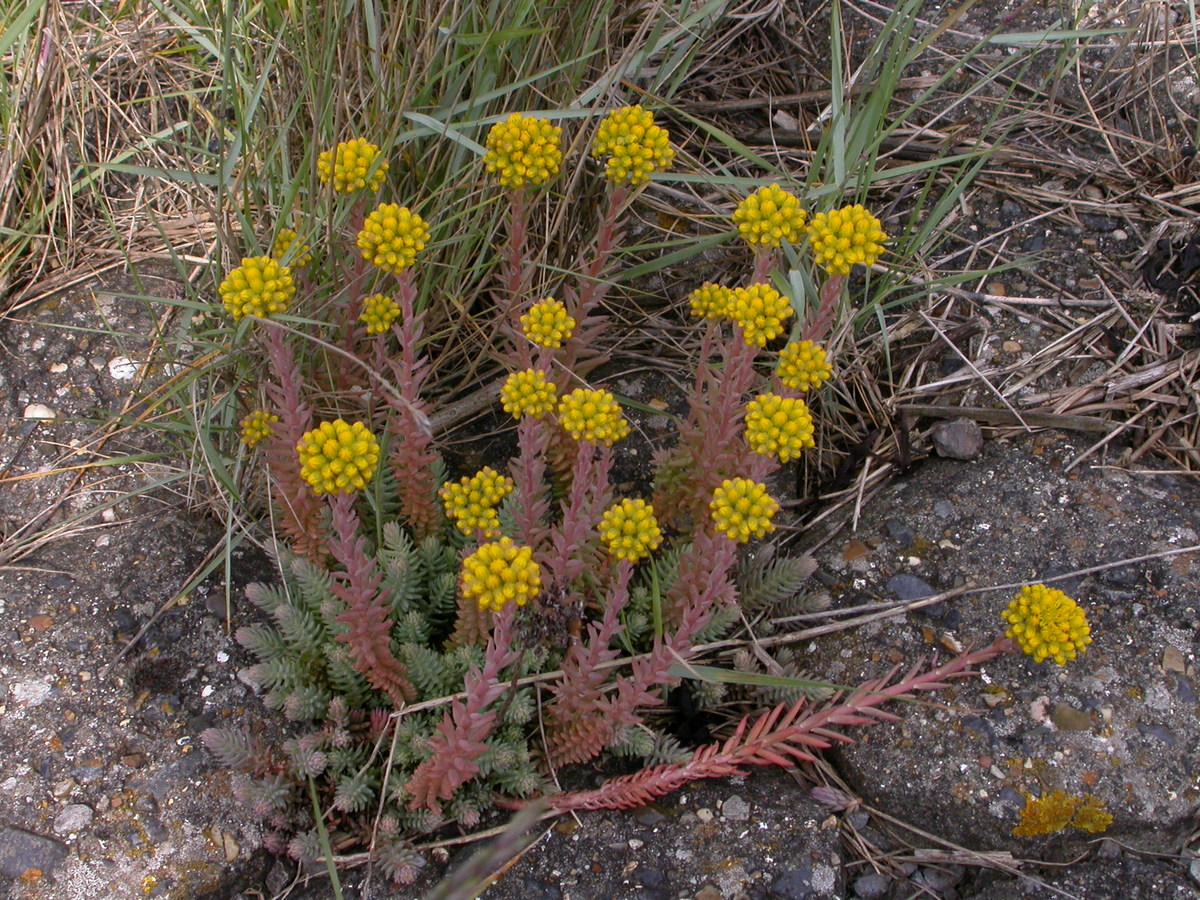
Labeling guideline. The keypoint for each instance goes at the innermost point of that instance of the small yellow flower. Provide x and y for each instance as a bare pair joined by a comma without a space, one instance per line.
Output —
378,313
845,237
629,530
759,311
352,166
803,366
770,216
392,236
528,393
288,241
500,573
742,509
256,427
1047,624
710,300
547,323
338,457
523,150
260,286
636,148
592,416
471,502
778,426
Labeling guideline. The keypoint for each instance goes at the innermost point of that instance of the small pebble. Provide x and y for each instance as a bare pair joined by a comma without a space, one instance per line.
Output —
958,439
64,788
872,887
735,809
705,815
39,411
73,819
909,587
122,368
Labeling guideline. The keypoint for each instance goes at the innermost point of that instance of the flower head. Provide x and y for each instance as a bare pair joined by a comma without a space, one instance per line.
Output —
338,457
547,323
352,166
501,572
523,150
845,237
742,509
629,530
710,300
471,502
770,216
592,416
759,311
378,313
528,393
260,286
256,427
636,147
392,236
1047,624
287,241
803,365
778,426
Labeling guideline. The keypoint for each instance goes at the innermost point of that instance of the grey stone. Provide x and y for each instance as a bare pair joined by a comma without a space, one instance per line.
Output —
872,887
909,587
899,532
735,809
73,819
958,439
22,851
943,509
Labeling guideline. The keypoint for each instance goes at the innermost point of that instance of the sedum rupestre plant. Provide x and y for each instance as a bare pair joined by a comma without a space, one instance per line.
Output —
444,643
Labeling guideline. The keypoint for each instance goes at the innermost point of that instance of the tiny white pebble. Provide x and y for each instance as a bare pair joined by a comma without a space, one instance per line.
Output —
122,368
39,411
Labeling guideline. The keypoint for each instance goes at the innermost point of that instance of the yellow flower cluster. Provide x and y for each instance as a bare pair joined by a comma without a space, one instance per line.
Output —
845,237
1057,810
378,313
636,148
528,393
778,426
256,427
351,166
742,509
547,323
770,216
288,241
523,150
260,286
500,573
1047,624
710,300
803,366
592,416
629,530
338,457
471,502
392,236
759,311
